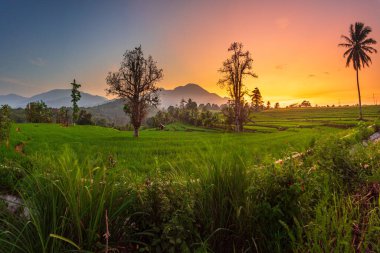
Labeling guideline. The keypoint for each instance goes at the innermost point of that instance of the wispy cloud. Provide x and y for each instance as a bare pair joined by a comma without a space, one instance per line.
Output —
311,75
282,23
15,82
280,66
37,62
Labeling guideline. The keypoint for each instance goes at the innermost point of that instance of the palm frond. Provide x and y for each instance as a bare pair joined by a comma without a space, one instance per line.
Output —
348,40
344,45
358,30
364,33
349,58
352,33
369,49
369,42
347,52
365,59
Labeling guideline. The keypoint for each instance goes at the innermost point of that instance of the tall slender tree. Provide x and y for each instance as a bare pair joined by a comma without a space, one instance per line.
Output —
358,47
135,83
75,97
234,70
257,99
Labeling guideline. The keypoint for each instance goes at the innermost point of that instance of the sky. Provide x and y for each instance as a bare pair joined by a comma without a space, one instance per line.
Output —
45,44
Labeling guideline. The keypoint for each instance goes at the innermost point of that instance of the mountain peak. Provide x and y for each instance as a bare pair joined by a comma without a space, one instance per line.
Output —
53,98
190,87
190,90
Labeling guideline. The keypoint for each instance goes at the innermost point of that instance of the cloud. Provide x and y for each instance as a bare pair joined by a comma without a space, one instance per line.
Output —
282,23
37,62
14,82
326,73
280,66
311,75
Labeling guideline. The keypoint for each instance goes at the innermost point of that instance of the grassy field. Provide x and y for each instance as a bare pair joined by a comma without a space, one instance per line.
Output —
173,147
275,132
189,189
339,117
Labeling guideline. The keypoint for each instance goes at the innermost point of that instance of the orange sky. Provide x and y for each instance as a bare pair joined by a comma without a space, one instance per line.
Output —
294,47
293,43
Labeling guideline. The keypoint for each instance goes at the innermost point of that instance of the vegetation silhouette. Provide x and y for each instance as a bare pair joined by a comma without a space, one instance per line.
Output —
358,47
257,99
75,97
135,82
234,70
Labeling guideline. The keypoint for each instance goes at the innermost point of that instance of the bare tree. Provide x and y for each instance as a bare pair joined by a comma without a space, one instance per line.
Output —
135,84
234,70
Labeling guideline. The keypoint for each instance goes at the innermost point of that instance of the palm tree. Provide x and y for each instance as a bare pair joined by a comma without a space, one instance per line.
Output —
358,46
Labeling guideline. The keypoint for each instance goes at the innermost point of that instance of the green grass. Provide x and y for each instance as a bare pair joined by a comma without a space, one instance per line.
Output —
345,116
189,189
162,147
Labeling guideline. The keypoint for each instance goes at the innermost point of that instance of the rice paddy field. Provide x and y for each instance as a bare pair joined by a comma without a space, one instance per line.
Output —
269,135
190,189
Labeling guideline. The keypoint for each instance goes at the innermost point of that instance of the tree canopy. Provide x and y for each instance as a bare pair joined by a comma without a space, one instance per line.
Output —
135,82
234,70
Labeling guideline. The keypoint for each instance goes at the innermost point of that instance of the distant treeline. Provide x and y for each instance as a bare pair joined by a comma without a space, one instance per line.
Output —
39,112
188,112
210,115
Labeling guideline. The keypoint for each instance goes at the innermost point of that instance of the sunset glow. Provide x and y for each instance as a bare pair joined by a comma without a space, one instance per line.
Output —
293,43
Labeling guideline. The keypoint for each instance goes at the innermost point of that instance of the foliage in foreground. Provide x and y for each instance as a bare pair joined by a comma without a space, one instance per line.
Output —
326,201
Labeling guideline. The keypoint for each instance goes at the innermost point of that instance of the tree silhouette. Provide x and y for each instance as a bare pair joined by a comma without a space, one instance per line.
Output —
75,97
257,99
305,103
234,70
135,83
359,46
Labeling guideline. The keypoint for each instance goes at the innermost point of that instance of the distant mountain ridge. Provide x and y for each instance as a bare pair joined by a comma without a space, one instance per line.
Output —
190,90
54,98
11,99
113,110
62,97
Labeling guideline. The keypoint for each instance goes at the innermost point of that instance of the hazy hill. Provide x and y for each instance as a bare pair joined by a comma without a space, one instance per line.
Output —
54,98
113,110
191,90
11,99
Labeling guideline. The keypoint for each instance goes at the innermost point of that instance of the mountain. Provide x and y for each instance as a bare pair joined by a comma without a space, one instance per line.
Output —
190,90
62,97
11,99
113,110
54,98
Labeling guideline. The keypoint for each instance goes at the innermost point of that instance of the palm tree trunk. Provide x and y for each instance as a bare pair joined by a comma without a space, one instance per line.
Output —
360,99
